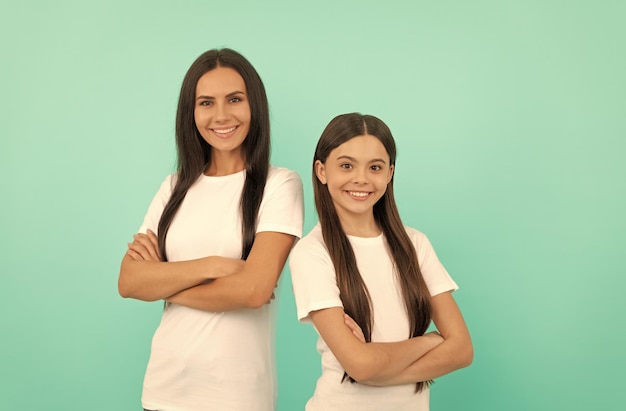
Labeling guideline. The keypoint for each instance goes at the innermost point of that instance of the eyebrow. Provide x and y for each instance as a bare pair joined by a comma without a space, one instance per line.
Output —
374,160
231,94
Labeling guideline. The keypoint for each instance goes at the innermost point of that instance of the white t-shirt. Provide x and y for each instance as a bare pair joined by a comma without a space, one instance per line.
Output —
217,361
315,288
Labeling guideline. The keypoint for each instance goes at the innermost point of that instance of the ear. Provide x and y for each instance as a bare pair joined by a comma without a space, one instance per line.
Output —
390,176
320,171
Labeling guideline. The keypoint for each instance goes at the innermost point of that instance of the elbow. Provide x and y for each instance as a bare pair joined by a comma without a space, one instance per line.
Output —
364,371
254,304
257,297
362,375
125,286
465,356
127,292
129,286
123,289
127,289
124,283
469,358
122,293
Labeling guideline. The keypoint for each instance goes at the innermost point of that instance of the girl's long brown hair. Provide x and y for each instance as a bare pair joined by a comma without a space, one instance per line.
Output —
194,153
353,291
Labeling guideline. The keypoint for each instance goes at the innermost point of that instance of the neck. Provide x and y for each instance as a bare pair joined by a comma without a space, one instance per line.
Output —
359,225
223,164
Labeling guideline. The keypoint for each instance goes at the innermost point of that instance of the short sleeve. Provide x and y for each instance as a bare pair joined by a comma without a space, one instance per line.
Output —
282,207
313,278
435,275
153,215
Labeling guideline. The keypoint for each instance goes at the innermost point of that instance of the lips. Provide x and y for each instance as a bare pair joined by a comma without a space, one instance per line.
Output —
359,195
224,131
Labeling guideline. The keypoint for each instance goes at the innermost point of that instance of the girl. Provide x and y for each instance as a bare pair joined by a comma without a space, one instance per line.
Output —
368,283
213,244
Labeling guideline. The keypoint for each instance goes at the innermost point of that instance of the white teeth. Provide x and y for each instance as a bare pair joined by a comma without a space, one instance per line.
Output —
224,130
358,194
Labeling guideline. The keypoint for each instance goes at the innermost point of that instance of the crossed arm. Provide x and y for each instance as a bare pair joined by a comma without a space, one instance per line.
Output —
404,362
211,283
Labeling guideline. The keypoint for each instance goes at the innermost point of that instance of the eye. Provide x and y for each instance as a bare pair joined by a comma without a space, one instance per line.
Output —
235,100
346,166
376,167
206,103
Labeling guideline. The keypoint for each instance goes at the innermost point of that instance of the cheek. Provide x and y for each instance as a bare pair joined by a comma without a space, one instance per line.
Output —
335,182
383,183
244,113
197,117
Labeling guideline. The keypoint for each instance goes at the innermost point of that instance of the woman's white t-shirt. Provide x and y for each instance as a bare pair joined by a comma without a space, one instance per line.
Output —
224,360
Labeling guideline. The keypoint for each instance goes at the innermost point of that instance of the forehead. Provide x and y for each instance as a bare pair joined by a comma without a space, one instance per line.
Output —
220,81
364,147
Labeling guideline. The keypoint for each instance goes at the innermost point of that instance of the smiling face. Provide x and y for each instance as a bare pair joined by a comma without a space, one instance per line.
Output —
222,111
356,174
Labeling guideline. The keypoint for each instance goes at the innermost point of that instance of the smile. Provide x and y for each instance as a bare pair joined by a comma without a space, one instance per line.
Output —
224,130
359,195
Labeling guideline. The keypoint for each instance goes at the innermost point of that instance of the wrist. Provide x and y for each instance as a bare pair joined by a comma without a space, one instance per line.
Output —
214,268
435,338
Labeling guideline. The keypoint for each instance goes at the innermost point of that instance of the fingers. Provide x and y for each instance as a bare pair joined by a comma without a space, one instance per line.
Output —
354,327
155,242
150,245
134,255
350,322
435,335
145,247
139,246
138,251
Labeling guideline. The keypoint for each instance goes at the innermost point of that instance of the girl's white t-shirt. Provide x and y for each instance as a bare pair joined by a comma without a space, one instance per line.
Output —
225,360
315,288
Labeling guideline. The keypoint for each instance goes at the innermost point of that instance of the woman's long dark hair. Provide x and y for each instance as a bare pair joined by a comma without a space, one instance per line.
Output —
353,291
194,153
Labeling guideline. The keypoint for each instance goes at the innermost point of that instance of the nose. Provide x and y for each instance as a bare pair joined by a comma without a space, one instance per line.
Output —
221,112
360,176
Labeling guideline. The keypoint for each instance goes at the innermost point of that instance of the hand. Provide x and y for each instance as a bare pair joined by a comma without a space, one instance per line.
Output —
227,266
435,337
354,327
145,247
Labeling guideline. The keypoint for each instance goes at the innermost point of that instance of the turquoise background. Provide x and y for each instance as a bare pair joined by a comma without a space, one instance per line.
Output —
510,121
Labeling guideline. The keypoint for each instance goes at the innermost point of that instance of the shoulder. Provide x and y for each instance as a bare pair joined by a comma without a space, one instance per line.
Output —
419,239
160,199
309,259
311,244
170,180
167,185
414,234
283,182
281,174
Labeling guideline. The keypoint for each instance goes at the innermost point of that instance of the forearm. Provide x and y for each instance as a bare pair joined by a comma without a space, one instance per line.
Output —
391,359
251,287
226,294
456,350
154,280
449,356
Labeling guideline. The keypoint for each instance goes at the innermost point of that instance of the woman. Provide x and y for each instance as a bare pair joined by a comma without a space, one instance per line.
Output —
213,244
369,284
